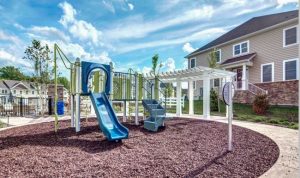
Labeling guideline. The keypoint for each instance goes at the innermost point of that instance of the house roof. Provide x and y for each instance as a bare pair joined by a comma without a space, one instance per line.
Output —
2,85
253,25
14,83
246,57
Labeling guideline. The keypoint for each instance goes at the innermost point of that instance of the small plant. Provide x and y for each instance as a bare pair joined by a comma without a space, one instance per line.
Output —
213,100
260,104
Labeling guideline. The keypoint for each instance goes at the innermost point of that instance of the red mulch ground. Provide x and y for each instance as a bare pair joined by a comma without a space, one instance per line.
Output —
184,148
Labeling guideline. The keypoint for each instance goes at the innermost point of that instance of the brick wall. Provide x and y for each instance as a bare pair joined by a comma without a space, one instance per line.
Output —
279,93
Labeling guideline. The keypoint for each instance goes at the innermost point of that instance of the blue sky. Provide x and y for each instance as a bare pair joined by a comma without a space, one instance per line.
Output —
127,32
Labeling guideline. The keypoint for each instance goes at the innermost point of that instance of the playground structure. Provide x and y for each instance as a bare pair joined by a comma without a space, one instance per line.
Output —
105,86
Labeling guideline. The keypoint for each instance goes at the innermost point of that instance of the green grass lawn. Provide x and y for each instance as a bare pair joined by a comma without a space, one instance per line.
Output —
276,115
2,125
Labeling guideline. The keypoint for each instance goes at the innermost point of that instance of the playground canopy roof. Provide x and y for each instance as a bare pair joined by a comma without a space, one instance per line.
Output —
192,74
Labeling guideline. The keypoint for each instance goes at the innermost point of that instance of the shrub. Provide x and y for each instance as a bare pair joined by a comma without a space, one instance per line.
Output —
213,100
273,121
260,104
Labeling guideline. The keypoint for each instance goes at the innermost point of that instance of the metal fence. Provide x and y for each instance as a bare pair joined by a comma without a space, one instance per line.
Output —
24,107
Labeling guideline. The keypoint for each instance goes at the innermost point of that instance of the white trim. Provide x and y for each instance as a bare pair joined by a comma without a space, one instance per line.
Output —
20,83
191,62
288,28
261,72
240,44
220,59
283,70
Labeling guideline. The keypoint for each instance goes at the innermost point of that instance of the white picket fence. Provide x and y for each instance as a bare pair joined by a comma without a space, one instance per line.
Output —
172,101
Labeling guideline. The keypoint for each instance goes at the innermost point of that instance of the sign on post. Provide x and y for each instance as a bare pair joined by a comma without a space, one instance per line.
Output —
225,92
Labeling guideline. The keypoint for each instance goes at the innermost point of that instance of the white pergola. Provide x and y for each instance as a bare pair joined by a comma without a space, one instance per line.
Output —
195,74
190,75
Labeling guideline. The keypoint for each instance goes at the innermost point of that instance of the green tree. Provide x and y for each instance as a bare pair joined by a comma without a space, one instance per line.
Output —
11,73
168,89
212,63
38,55
64,81
156,66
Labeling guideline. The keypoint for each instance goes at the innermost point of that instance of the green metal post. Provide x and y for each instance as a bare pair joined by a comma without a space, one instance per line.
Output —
96,78
55,92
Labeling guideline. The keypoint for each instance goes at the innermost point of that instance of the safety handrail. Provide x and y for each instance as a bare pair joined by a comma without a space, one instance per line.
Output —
256,90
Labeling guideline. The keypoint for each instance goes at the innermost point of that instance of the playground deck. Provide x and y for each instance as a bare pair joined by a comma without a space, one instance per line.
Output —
186,147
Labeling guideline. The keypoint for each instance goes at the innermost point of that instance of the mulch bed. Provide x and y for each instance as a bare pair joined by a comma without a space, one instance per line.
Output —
184,148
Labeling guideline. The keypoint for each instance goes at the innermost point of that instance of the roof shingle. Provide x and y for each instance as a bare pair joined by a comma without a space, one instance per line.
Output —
246,57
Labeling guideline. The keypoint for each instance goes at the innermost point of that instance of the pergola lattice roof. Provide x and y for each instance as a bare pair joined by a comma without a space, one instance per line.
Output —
192,74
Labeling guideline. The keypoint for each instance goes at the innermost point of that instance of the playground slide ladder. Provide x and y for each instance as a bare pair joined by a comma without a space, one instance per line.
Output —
157,114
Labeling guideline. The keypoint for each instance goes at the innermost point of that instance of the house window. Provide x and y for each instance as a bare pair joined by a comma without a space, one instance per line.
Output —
218,55
2,91
290,69
32,92
194,85
201,92
216,82
289,36
20,92
241,48
26,92
15,91
193,63
267,72
5,91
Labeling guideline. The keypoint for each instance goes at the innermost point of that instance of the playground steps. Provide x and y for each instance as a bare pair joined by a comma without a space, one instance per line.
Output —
157,114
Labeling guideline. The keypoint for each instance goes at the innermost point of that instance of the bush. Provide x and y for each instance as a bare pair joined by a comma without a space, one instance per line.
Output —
213,100
260,104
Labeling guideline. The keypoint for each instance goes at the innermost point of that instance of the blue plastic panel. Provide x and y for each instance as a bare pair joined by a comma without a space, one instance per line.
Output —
86,69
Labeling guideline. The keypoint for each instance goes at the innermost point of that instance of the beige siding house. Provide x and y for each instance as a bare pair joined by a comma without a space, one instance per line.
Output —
263,52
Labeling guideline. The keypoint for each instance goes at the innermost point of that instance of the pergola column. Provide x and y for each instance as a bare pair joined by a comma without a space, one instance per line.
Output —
206,98
244,77
191,98
178,100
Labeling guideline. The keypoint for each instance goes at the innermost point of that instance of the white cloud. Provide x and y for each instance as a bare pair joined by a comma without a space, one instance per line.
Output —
187,47
137,27
19,26
78,28
169,64
50,32
185,64
69,13
165,5
109,6
7,56
85,31
201,35
7,37
146,70
9,59
281,3
130,6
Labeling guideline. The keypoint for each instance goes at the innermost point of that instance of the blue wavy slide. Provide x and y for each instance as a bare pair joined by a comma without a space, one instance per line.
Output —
107,119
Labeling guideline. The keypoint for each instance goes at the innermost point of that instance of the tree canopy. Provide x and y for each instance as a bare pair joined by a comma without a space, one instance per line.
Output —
38,55
64,81
12,73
